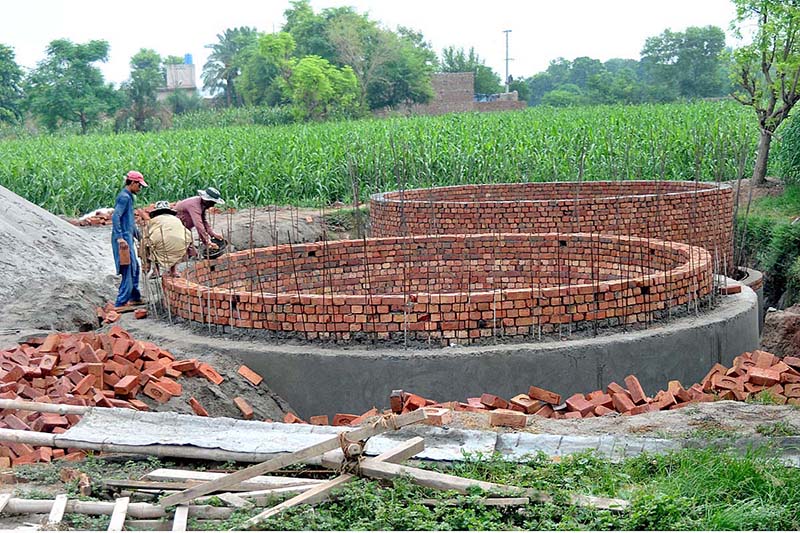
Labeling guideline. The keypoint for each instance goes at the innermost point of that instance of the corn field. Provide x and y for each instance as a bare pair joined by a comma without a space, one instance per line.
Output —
317,164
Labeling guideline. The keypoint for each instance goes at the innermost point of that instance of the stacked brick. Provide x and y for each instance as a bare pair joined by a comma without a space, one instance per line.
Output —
751,375
86,369
102,217
699,214
445,286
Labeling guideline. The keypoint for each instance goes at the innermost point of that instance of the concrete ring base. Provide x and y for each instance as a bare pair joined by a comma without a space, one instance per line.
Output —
317,381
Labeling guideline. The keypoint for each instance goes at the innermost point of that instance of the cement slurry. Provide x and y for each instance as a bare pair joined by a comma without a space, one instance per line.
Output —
316,380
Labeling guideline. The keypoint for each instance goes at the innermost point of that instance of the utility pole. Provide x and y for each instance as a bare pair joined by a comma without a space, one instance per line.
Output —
507,58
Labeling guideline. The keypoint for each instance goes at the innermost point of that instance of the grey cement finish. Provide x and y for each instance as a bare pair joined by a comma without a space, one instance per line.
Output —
317,381
262,440
755,277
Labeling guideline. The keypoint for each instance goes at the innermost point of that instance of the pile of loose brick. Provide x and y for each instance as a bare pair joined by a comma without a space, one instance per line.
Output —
102,217
87,369
752,374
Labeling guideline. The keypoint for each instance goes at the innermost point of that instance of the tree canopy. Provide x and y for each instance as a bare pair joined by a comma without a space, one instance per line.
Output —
767,71
67,87
10,86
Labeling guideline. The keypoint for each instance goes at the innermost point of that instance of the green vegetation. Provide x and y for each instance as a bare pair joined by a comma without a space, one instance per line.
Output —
778,429
689,489
315,164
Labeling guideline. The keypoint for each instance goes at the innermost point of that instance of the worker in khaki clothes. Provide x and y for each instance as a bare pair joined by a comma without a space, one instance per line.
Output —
166,238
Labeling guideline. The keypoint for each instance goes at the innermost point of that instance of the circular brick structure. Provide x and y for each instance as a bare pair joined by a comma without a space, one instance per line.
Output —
696,213
444,287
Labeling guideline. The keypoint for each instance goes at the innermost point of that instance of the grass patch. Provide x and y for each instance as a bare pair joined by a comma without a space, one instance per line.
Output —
784,206
687,489
777,429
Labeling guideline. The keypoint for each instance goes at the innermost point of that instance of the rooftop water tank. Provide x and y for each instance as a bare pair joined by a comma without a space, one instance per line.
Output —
187,59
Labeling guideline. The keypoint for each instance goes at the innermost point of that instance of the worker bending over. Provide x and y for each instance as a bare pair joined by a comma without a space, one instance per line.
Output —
166,238
192,212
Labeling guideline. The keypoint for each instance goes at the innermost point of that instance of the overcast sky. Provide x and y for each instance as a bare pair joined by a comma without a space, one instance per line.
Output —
541,30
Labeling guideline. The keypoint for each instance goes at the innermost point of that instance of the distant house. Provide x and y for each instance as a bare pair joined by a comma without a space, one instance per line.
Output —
454,92
180,77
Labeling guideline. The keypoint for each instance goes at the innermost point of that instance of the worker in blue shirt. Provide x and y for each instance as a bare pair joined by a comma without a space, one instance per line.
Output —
122,234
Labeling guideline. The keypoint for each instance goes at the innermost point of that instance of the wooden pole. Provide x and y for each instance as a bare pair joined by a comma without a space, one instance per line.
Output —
135,510
362,433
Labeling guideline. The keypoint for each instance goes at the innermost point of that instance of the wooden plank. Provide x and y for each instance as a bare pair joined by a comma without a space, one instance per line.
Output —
57,511
489,502
182,485
436,480
117,521
399,453
4,501
181,517
403,451
235,501
255,483
309,497
362,433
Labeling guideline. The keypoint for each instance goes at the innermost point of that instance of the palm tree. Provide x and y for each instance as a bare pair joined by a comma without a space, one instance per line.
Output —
224,62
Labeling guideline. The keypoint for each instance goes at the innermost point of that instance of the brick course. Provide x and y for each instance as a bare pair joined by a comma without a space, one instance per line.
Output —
445,287
699,214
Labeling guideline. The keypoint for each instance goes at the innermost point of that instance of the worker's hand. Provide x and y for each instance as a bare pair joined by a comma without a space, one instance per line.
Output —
213,246
122,243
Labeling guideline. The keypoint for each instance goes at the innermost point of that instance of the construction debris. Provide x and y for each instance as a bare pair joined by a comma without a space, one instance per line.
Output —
85,369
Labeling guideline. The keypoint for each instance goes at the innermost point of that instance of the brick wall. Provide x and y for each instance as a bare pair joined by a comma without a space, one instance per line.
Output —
443,287
453,92
699,214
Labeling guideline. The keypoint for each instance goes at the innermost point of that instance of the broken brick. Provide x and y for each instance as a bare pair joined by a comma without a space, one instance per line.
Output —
140,314
197,407
319,420
343,419
291,418
635,389
437,416
492,401
507,418
244,407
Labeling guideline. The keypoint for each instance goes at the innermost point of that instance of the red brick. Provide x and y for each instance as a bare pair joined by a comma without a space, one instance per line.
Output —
507,418
139,405
615,388
622,402
342,419
184,365
792,390
395,401
156,392
763,376
13,422
547,396
210,373
678,391
291,418
528,405
244,407
639,409
50,344
83,386
437,416
124,386
578,403
174,388
793,362
121,347
250,375
764,359
197,407
635,389
716,369
75,456
494,402
412,403
319,420
602,410
140,314
572,414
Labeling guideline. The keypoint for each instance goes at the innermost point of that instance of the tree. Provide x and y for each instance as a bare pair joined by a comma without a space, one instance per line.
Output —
319,90
768,69
265,68
224,63
456,60
67,87
685,64
405,75
310,30
142,88
10,86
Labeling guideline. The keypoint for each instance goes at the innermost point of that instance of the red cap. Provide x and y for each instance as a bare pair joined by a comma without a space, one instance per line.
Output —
135,175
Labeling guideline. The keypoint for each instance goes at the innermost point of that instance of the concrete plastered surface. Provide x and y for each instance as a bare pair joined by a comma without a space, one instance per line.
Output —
317,380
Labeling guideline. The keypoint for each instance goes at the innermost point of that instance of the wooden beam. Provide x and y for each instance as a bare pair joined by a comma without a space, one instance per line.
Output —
181,517
117,521
320,493
182,485
363,432
41,407
135,510
57,511
235,501
256,483
436,480
4,501
402,452
488,502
